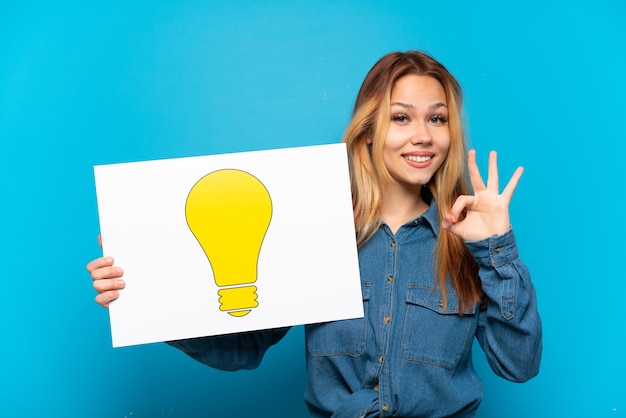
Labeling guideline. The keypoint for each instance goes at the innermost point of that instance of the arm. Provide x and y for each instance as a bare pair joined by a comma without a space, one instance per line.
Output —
242,351
509,327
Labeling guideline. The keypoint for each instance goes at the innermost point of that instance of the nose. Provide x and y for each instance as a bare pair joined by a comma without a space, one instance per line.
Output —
421,133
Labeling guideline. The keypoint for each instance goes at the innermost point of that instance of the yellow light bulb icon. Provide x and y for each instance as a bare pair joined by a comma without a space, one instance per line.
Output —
229,212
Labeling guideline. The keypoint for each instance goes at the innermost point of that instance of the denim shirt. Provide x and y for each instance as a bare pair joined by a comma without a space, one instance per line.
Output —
412,349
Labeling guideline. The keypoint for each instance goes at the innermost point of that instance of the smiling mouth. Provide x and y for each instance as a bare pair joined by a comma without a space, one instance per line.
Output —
418,158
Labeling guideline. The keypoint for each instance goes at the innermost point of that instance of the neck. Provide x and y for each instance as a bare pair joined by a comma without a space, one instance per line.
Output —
401,205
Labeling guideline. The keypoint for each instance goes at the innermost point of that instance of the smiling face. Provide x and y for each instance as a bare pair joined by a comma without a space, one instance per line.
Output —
418,138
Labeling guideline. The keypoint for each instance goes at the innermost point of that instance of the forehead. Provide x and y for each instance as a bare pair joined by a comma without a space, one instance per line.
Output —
418,88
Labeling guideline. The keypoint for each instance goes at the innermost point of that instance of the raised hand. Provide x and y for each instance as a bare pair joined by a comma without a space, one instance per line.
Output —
486,213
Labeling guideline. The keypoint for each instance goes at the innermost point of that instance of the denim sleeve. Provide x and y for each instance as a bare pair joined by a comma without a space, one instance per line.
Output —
509,327
242,351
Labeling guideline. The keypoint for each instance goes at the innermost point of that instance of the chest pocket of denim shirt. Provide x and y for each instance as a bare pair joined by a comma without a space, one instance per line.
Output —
432,334
345,337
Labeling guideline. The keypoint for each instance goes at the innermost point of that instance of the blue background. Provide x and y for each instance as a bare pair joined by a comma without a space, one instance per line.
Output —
86,83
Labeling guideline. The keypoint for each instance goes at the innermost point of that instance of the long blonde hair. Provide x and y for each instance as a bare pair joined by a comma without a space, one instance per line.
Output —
369,125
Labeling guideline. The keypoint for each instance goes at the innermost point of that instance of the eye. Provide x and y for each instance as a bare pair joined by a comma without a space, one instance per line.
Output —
438,119
401,118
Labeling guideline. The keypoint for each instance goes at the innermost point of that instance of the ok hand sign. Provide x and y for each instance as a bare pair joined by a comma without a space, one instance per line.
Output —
486,213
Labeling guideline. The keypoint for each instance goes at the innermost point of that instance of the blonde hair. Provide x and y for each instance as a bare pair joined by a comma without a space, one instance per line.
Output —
364,138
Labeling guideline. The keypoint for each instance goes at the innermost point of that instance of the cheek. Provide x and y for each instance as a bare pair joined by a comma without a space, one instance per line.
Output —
443,145
443,142
386,158
445,150
441,162
392,146
393,142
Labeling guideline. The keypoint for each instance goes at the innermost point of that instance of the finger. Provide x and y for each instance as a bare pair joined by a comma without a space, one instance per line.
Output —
462,202
100,240
99,263
492,175
104,273
448,222
107,285
512,184
104,299
475,177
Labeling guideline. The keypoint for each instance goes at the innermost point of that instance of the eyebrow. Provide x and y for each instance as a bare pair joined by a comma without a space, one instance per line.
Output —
410,106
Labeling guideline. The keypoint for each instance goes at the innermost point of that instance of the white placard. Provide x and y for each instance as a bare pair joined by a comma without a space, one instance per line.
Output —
170,241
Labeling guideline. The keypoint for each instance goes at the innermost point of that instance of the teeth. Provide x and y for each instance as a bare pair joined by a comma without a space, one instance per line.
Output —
418,159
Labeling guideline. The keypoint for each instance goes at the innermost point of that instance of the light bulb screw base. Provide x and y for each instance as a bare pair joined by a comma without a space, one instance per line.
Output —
238,301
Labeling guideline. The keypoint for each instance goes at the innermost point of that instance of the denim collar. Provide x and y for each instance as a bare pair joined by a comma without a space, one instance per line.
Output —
431,216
